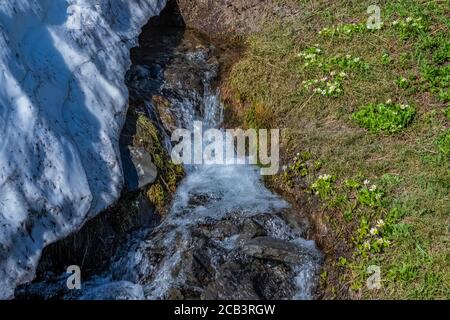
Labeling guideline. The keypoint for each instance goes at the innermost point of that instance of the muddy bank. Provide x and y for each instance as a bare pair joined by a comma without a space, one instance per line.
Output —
234,17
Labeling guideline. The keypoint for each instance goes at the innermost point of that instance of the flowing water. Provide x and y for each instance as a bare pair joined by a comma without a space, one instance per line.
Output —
226,235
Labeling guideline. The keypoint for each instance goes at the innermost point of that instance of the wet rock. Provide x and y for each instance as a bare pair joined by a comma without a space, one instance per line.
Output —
233,281
174,72
229,258
196,200
251,279
175,294
144,80
139,170
272,249
275,283
251,229
163,109
121,290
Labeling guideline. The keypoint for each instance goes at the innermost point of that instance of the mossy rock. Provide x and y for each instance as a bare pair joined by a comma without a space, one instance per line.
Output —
157,196
169,174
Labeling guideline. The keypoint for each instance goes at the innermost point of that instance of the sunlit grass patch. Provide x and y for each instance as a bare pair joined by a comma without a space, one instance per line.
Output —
409,27
406,62
344,30
444,143
384,117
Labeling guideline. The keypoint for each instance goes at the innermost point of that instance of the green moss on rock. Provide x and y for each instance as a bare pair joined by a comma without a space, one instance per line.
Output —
169,174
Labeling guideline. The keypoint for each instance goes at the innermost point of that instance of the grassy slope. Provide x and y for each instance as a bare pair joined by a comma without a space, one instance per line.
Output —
410,168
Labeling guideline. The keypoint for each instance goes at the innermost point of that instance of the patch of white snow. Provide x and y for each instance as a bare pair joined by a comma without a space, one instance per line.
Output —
62,106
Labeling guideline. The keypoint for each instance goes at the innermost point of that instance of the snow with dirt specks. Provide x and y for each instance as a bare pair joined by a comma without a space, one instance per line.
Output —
62,106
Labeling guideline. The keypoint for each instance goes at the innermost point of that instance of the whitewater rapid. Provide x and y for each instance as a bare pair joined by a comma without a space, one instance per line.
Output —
226,236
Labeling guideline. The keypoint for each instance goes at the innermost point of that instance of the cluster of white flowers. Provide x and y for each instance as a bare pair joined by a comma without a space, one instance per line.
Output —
379,241
349,57
314,57
322,184
383,242
374,231
325,177
331,88
343,29
327,86
409,22
341,74
311,56
378,226
373,188
404,106
350,62
401,106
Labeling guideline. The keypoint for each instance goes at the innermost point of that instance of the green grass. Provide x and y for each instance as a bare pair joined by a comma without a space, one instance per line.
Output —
384,117
285,82
444,143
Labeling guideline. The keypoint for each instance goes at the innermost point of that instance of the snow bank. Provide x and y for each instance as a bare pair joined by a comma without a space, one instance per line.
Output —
62,106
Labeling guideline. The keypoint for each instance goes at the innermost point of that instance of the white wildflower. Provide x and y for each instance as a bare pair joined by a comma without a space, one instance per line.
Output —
380,223
373,231
366,245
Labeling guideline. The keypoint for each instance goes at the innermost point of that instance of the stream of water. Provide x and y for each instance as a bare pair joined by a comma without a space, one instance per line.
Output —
226,235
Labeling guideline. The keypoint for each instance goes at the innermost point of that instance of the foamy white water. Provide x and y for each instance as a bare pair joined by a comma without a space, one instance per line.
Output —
207,227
